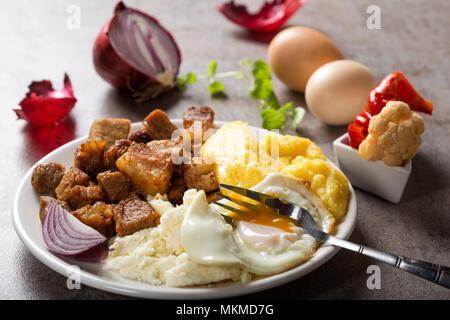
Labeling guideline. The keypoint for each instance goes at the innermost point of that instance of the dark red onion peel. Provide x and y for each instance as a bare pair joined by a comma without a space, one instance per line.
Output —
66,235
272,15
134,51
43,105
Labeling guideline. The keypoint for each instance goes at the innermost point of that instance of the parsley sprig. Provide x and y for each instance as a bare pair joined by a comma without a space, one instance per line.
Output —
258,73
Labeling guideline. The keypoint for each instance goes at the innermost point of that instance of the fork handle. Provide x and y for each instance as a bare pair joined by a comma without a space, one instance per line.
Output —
429,271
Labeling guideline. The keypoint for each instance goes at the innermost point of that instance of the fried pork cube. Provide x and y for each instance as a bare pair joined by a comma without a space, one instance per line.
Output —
168,149
115,184
114,152
77,189
176,191
44,202
80,196
109,130
73,177
134,214
205,115
99,216
199,124
140,136
172,150
88,157
200,176
158,125
46,177
149,171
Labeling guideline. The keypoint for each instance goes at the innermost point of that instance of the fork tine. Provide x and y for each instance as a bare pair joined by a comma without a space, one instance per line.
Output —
229,208
239,202
258,196
261,197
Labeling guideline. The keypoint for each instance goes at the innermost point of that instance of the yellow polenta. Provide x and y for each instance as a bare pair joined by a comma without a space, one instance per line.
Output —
242,160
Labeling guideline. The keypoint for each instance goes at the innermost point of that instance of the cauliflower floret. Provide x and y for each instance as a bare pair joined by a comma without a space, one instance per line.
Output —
394,135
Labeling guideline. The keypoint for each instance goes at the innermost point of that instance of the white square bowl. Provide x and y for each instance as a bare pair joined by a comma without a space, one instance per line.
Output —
385,181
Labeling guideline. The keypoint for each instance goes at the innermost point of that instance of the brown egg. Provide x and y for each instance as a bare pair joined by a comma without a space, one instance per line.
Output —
296,52
338,90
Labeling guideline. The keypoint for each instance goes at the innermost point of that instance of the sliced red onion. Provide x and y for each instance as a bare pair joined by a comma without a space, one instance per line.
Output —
134,51
272,15
66,235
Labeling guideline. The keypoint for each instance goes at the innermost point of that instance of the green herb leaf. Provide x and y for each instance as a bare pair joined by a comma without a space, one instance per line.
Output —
264,105
191,78
273,101
216,87
272,119
287,107
261,89
260,70
297,116
212,68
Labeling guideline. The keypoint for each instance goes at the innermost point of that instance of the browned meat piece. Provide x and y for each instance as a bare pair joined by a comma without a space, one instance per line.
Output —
212,196
115,184
77,189
200,176
109,130
80,196
169,149
158,125
73,177
114,152
44,202
199,124
46,177
205,115
134,214
149,171
176,191
99,216
140,136
88,157
166,148
177,171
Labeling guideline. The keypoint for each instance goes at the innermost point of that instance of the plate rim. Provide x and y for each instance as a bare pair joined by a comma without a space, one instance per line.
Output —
164,292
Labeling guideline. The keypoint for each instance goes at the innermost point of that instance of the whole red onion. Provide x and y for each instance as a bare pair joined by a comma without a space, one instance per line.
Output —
134,51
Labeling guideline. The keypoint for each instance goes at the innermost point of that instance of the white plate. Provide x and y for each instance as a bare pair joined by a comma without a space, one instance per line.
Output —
28,228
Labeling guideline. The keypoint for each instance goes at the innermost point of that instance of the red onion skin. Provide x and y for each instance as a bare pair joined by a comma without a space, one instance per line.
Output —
44,106
271,17
112,68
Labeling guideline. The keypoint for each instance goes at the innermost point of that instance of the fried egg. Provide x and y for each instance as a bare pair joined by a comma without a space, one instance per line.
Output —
261,242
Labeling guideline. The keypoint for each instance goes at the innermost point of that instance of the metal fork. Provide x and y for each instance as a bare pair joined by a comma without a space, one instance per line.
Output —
433,272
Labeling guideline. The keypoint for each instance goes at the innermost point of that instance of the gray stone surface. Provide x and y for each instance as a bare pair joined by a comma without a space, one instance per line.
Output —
37,44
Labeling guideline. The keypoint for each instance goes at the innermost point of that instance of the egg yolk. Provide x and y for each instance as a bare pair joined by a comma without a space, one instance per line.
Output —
263,215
